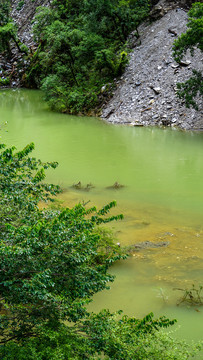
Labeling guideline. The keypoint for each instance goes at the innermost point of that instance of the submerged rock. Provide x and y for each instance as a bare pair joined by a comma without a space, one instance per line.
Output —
79,186
116,186
89,187
148,245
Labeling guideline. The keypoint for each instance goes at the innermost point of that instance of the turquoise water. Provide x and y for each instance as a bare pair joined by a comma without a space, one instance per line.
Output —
162,200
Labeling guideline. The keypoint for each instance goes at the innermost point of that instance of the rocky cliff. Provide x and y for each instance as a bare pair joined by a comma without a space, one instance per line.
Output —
22,13
23,17
146,93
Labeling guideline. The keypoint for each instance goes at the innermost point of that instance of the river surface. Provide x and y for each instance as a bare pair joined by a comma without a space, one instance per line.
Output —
162,200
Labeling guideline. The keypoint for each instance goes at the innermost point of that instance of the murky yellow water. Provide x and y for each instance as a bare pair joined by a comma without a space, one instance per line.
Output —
162,170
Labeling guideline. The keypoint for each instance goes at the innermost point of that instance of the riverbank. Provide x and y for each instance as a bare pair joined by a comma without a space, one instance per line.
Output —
146,93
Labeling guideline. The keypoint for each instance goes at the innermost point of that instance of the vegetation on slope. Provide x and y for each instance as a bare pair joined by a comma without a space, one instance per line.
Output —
81,50
189,41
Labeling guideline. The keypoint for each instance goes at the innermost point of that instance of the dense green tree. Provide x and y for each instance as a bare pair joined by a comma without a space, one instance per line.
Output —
103,336
81,48
51,262
115,19
189,40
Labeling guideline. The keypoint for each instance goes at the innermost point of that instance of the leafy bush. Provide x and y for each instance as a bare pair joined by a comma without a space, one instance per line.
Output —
7,33
190,89
102,336
4,81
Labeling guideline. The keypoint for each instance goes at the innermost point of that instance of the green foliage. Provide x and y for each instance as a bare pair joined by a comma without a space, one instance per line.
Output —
130,338
21,176
7,33
115,19
102,336
50,269
32,77
49,260
20,5
65,343
81,48
108,245
193,36
107,61
4,81
188,41
190,88
62,98
4,12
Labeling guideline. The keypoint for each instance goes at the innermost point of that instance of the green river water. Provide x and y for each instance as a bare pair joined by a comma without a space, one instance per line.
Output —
162,170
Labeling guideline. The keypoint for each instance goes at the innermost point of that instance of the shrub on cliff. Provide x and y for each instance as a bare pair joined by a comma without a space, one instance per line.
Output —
8,31
189,40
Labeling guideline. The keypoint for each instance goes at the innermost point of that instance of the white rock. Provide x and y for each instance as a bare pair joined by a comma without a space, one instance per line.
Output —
157,90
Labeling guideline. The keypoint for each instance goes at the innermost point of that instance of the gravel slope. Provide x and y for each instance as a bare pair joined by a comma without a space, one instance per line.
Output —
146,93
